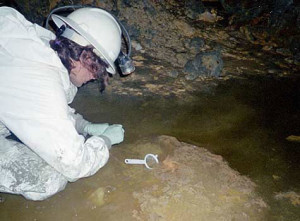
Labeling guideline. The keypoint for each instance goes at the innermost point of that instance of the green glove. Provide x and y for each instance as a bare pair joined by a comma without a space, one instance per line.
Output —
115,133
95,129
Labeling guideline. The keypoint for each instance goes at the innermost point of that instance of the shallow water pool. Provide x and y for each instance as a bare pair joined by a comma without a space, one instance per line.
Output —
245,121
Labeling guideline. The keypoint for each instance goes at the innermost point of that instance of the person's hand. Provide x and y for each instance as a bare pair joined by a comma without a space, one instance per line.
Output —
95,129
115,133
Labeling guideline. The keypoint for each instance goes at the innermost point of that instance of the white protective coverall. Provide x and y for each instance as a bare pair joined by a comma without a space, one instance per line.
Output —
35,91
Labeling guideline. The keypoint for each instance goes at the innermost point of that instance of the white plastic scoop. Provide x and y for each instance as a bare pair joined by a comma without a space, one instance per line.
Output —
144,161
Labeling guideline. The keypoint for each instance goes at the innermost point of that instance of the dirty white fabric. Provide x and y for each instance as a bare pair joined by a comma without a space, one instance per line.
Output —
35,91
23,172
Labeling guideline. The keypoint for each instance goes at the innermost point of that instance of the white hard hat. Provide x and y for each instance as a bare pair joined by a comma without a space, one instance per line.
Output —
96,27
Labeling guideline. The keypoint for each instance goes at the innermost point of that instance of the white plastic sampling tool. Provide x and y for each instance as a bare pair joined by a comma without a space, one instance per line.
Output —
144,161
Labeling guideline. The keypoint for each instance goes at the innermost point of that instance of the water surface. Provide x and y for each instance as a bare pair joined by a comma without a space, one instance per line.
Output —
245,121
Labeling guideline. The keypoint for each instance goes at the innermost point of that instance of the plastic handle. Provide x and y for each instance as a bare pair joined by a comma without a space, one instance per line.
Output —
144,161
134,161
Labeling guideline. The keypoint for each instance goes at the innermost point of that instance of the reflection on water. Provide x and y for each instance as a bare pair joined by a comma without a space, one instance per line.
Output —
246,122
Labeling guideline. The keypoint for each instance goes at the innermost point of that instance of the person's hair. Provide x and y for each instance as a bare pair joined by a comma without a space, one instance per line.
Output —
67,50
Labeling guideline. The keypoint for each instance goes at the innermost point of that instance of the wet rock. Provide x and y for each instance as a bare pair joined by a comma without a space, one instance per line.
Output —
128,3
133,32
283,51
272,71
209,17
248,34
294,45
207,64
173,73
137,46
193,8
190,178
181,59
293,138
149,7
292,196
270,21
278,17
195,44
184,28
297,59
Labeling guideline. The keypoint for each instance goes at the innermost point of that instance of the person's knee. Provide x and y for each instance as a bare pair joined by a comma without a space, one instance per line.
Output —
52,187
24,173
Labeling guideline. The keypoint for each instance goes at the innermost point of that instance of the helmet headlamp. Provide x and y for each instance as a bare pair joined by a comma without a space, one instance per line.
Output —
123,60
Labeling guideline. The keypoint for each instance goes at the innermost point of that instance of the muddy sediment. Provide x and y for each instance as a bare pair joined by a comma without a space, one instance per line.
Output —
188,182
197,185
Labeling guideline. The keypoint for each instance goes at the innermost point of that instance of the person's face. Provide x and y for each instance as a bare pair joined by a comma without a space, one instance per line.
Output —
79,75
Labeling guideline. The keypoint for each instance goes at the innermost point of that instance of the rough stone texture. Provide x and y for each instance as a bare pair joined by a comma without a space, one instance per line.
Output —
267,21
167,35
197,185
292,196
204,64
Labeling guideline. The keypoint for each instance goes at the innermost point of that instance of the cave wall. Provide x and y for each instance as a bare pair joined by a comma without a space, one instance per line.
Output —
172,30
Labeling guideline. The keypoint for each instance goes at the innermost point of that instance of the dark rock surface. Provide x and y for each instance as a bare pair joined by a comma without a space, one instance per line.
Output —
204,64
178,45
